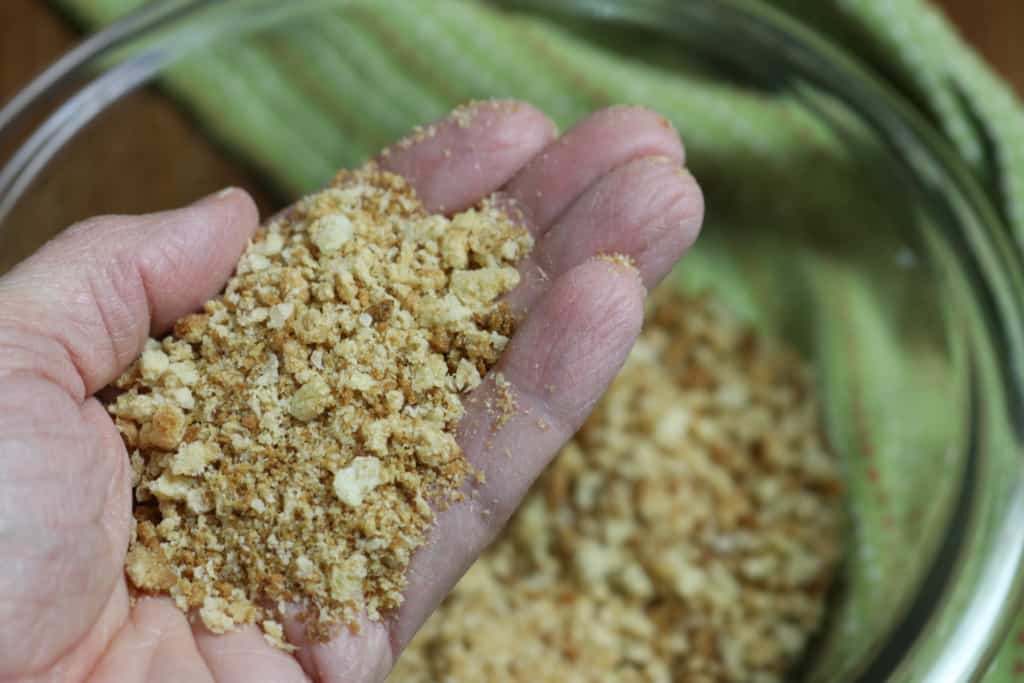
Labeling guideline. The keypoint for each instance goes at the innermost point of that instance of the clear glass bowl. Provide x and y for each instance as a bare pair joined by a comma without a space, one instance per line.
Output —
907,295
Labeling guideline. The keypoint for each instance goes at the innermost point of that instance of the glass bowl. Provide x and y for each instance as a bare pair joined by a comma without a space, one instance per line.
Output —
874,250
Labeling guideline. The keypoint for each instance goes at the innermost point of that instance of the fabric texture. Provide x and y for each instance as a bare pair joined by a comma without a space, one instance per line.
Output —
793,191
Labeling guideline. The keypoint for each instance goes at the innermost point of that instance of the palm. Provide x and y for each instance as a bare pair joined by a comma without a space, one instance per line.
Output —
65,613
66,498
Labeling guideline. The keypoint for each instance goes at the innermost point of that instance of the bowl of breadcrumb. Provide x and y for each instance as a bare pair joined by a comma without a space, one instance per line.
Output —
803,470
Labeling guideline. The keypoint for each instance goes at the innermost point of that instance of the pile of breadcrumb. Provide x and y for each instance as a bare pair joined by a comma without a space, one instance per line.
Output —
689,532
288,442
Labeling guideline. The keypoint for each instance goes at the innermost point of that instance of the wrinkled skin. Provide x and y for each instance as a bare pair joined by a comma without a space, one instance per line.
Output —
74,315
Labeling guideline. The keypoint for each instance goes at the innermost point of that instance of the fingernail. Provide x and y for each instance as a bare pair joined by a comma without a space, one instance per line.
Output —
659,160
623,263
216,196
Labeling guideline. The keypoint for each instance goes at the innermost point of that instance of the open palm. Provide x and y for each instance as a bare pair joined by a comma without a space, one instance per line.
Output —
78,312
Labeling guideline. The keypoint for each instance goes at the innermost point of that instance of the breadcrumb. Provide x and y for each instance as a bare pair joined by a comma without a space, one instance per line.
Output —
689,532
287,440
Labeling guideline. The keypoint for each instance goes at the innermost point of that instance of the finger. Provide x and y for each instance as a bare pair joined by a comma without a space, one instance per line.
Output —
649,210
244,656
564,169
81,309
154,645
461,159
557,366
363,656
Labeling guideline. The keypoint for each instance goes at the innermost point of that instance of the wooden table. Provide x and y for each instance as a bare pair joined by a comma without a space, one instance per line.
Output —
180,165
996,27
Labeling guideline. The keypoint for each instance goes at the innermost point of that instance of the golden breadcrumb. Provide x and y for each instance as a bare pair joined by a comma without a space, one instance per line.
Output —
288,441
689,532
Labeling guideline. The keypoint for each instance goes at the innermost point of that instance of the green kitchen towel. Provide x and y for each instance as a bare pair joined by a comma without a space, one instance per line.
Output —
786,188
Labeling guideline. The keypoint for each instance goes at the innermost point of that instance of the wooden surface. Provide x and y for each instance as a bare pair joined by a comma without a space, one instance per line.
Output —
174,164
996,28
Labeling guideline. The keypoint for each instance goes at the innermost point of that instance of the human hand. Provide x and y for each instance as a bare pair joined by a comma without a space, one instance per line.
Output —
74,315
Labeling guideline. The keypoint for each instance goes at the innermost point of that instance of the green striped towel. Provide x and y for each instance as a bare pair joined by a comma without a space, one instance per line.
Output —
780,183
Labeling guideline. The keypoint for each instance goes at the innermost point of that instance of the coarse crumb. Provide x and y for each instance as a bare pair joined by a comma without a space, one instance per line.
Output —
287,442
273,632
689,532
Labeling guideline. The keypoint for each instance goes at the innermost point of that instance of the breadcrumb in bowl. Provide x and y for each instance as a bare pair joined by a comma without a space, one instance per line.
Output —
689,532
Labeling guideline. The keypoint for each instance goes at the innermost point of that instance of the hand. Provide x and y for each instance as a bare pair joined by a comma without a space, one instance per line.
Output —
74,315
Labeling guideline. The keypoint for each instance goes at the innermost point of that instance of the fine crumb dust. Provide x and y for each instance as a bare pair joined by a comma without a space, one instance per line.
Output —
288,442
505,405
620,260
689,532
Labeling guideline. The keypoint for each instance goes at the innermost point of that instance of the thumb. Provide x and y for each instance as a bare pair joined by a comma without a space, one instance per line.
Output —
82,307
